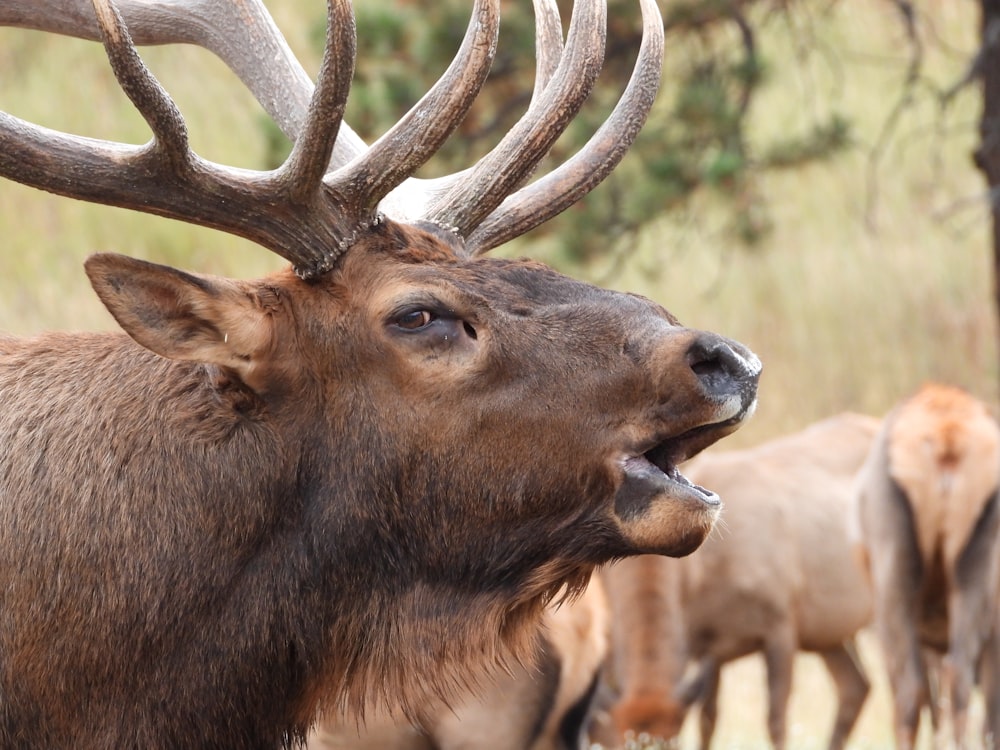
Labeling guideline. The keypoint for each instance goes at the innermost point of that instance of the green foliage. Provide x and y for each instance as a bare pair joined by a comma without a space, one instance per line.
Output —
824,140
699,13
276,145
704,102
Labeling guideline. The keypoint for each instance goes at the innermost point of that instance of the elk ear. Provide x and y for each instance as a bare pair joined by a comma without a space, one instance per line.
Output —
181,316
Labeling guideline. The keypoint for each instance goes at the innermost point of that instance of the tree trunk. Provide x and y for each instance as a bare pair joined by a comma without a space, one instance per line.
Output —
987,156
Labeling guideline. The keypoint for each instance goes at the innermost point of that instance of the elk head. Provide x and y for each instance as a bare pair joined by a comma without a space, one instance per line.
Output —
448,438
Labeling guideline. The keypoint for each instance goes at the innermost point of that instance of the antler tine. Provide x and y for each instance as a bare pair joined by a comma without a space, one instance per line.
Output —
409,199
154,104
548,46
419,134
241,34
502,170
556,191
307,164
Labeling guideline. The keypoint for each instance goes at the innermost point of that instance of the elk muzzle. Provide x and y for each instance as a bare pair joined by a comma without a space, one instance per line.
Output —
659,509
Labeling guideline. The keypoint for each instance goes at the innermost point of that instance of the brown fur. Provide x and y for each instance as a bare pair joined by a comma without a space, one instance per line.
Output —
929,529
286,500
540,706
776,577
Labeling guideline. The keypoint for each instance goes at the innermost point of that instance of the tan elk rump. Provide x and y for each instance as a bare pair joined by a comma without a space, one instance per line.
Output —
778,576
353,484
928,528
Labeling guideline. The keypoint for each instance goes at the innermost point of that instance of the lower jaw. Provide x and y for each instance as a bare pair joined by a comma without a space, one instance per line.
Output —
665,525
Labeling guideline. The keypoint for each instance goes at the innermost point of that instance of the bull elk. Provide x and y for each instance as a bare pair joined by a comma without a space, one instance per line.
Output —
928,532
778,578
346,484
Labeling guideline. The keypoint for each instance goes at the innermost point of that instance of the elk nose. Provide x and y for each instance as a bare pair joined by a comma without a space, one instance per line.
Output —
724,367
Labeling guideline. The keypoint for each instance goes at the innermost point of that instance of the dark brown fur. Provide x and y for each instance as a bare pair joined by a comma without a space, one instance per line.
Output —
288,501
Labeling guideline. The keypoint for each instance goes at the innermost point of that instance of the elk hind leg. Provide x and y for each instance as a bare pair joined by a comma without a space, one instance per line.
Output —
952,726
910,695
989,676
852,686
958,677
779,659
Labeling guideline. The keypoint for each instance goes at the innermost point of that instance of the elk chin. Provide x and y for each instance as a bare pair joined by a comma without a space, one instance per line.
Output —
660,511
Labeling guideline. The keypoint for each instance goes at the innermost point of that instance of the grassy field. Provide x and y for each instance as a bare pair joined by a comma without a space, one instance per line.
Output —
851,303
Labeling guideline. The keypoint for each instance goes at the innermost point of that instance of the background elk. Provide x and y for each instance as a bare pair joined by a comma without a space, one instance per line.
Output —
345,485
544,705
776,577
927,512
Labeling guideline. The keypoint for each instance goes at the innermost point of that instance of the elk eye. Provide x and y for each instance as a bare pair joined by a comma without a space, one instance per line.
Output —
414,319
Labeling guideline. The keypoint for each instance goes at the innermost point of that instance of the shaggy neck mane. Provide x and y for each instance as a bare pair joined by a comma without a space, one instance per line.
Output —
416,651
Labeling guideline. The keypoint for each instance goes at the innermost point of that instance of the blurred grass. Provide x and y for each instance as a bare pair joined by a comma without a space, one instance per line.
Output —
865,289
850,306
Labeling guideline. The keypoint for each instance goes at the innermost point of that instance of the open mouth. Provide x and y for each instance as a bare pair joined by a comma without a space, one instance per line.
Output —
660,510
642,469
658,463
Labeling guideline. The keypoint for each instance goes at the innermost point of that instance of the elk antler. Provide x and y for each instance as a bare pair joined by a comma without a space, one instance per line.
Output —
561,188
332,186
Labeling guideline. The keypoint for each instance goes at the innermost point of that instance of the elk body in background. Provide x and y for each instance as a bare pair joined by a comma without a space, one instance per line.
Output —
543,705
353,484
927,507
778,576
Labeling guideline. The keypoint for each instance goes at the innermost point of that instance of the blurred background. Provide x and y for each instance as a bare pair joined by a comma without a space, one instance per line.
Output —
805,184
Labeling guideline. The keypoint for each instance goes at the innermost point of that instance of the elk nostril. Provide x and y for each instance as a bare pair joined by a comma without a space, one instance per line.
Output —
705,367
720,367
